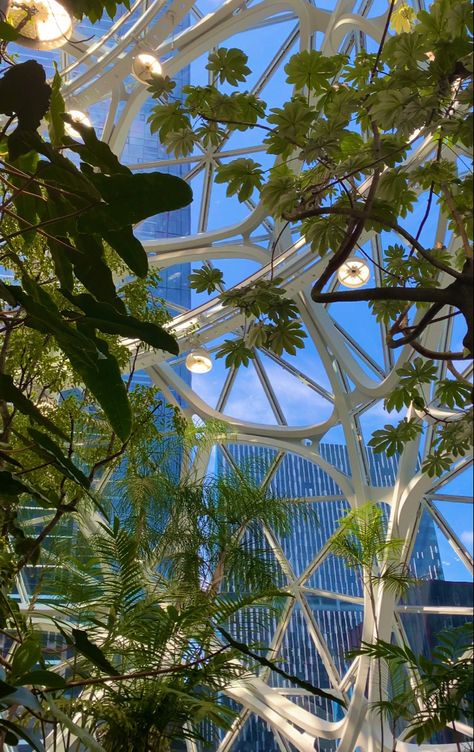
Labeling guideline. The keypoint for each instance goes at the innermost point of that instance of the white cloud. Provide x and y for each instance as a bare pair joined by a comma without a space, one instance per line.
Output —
467,537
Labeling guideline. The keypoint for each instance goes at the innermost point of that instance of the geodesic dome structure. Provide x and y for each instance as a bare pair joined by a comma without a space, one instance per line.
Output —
300,409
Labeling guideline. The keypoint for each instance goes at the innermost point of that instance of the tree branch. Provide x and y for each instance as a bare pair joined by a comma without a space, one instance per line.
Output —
344,211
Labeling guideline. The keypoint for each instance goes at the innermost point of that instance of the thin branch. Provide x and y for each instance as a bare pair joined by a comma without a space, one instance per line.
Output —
147,672
361,214
415,332
433,355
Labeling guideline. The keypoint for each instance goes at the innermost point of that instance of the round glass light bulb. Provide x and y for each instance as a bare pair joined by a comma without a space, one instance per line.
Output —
354,272
41,24
145,66
198,361
78,117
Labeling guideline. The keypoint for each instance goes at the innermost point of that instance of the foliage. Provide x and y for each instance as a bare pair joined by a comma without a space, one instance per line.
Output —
430,693
145,601
362,541
67,414
274,321
341,144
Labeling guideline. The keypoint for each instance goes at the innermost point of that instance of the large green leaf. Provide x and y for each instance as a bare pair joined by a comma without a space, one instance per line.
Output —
43,678
93,151
133,198
106,384
56,109
90,651
20,732
105,317
10,393
129,249
55,453
25,655
10,485
89,355
92,270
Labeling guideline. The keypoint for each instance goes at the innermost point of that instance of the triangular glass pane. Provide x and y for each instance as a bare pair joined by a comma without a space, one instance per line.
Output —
334,575
298,655
208,386
255,736
435,559
459,518
248,400
361,326
301,543
340,625
291,392
254,461
459,485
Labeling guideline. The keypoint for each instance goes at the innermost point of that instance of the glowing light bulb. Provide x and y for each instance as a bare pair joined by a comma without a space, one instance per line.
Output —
199,361
78,117
354,272
145,66
41,24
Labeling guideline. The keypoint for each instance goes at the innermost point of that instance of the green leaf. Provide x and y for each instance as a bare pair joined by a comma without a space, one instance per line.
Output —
161,86
93,151
280,193
10,485
25,656
228,65
43,678
206,279
453,393
181,143
7,32
88,741
312,69
285,336
235,352
242,176
436,464
10,393
391,439
168,118
92,270
90,651
133,198
388,106
292,123
129,248
56,111
105,317
23,733
55,453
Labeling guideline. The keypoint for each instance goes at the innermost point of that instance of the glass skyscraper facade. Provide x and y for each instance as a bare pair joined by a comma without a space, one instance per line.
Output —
334,622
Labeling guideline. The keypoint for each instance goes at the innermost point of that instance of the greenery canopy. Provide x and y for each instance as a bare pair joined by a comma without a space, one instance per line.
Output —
343,145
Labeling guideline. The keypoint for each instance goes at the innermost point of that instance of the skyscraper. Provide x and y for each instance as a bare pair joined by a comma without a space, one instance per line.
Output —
325,620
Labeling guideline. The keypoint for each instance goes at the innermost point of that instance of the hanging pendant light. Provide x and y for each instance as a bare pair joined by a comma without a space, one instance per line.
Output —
41,24
145,67
354,272
198,360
